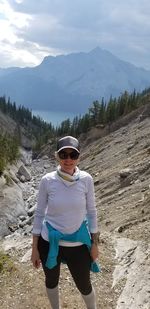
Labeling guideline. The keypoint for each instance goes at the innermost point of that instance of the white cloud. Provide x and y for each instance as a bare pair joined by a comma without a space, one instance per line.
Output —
9,23
32,29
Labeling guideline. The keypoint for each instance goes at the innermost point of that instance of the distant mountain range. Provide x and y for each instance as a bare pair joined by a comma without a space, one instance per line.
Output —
72,82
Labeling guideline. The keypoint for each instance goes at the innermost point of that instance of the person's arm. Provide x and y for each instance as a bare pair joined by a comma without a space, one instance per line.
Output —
95,238
41,207
92,219
94,246
37,223
35,257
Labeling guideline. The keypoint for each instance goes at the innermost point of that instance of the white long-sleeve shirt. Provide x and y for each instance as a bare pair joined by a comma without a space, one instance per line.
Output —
65,204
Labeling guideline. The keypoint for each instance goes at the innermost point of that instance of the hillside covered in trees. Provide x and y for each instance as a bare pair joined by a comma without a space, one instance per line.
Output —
36,129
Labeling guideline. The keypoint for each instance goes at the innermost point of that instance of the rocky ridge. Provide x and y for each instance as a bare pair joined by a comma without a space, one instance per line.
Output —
71,82
120,165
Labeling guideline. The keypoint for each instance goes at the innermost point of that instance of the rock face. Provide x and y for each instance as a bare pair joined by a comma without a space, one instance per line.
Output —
133,258
8,125
12,202
18,192
12,206
120,165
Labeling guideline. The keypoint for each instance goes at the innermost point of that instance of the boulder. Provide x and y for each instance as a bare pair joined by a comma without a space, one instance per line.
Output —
11,207
22,171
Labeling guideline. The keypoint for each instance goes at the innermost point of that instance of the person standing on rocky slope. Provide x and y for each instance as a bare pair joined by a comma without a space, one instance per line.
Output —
65,224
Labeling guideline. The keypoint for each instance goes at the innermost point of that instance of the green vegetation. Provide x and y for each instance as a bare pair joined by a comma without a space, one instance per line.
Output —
31,126
101,113
34,127
104,113
9,150
6,263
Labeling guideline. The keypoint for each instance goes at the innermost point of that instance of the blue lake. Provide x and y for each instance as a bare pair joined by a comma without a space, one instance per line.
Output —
54,117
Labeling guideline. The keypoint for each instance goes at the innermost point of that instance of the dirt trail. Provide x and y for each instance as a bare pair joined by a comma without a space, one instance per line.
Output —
24,287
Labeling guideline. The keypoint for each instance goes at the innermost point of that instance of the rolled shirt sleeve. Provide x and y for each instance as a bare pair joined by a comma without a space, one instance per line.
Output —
91,206
41,207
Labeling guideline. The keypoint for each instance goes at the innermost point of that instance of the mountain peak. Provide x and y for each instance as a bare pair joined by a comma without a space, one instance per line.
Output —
74,81
96,50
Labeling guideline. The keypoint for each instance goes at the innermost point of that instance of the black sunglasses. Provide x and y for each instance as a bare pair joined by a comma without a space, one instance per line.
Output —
74,155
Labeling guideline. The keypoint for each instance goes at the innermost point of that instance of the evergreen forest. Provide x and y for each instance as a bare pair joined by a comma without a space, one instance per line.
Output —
100,113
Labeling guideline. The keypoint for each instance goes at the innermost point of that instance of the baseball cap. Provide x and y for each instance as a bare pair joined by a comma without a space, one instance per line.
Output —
68,142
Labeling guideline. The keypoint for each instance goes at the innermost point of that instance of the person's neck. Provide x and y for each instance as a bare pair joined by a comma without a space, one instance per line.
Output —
71,172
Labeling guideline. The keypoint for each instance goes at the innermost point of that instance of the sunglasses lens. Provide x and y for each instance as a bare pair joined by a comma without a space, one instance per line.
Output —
74,155
63,155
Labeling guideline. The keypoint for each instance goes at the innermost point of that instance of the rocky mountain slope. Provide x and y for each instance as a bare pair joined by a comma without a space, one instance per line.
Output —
120,165
72,82
9,126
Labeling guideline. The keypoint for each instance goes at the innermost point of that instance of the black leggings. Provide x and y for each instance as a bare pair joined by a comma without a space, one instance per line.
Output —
78,261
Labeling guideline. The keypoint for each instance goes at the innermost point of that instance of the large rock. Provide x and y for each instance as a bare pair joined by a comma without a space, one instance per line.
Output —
11,206
133,267
22,171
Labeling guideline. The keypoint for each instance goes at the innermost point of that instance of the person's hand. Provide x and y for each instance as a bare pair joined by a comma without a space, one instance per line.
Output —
94,252
35,258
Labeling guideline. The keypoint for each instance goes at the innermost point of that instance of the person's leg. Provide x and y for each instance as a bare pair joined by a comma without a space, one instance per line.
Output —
53,296
79,263
90,300
51,275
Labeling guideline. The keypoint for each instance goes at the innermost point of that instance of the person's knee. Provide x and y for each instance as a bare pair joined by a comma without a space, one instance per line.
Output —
85,289
51,284
51,277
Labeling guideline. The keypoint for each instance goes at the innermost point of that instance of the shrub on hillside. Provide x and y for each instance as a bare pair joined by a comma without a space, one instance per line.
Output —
9,150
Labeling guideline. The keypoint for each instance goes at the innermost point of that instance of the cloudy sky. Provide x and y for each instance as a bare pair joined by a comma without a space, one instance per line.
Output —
33,29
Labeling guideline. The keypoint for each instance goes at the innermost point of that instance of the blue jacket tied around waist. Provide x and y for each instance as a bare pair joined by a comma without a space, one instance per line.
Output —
81,235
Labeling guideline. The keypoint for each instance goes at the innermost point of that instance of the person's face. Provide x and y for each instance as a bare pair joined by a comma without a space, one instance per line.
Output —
68,159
